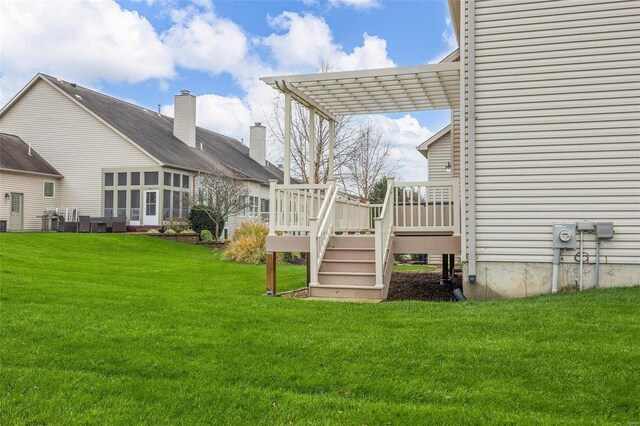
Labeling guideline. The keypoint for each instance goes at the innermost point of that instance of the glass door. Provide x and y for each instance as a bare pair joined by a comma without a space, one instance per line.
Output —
150,208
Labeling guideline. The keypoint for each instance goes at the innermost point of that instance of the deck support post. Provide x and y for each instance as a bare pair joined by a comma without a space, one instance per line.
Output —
445,269
308,269
271,273
452,265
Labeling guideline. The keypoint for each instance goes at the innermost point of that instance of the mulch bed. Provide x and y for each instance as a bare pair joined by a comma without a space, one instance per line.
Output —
408,285
421,285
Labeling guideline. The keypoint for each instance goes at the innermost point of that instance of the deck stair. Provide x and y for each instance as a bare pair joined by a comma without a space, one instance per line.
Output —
348,269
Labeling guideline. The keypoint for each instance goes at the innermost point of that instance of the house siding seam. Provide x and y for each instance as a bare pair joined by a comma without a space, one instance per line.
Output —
557,126
63,132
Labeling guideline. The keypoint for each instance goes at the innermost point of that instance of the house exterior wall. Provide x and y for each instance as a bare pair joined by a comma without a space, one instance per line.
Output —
254,190
34,201
439,154
557,91
73,141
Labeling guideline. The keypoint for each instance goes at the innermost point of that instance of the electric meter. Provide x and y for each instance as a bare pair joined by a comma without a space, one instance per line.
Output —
564,235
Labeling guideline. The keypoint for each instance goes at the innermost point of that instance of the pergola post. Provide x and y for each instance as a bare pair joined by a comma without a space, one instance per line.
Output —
287,137
332,141
312,145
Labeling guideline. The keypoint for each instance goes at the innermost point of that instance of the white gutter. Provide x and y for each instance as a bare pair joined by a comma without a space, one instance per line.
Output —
471,138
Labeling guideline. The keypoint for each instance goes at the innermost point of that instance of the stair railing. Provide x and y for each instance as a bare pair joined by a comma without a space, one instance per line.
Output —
321,229
383,233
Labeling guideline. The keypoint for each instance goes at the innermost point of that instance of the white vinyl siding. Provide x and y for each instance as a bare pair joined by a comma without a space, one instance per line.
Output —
439,154
557,125
76,143
34,202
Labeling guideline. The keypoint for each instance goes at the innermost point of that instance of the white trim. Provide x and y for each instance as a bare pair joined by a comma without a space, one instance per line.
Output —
425,145
3,169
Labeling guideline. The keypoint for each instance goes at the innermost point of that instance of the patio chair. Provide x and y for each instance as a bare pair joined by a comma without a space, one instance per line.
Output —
119,224
71,227
61,223
85,224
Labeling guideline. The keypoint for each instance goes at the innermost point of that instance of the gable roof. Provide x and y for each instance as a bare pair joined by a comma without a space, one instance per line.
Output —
14,155
424,146
153,134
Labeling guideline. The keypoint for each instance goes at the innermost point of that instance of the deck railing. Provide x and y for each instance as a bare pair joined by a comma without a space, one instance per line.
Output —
383,233
321,229
431,206
292,206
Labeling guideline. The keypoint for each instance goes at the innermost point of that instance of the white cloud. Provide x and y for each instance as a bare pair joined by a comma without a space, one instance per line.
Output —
206,42
404,134
308,43
227,115
84,41
358,4
450,41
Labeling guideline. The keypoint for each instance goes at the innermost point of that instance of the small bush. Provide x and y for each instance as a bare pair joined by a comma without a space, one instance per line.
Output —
188,231
200,220
170,231
153,231
248,243
206,235
177,224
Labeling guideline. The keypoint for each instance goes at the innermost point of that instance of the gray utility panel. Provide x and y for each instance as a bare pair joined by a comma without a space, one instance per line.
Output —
604,229
564,236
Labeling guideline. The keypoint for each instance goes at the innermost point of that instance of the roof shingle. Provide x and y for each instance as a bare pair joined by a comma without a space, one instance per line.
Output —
14,155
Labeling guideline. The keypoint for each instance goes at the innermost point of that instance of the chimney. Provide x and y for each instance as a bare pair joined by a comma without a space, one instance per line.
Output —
184,118
258,143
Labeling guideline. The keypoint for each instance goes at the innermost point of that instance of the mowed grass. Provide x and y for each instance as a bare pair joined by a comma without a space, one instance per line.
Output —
125,329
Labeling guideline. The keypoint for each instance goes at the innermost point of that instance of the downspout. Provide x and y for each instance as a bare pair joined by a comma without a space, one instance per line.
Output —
471,138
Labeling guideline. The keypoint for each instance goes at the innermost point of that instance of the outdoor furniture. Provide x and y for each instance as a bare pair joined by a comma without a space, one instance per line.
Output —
119,224
61,223
85,224
70,227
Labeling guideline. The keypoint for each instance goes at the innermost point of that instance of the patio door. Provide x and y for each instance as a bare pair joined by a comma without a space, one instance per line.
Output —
16,216
150,208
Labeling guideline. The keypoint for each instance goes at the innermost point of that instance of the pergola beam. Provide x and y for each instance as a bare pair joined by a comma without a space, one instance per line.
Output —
304,99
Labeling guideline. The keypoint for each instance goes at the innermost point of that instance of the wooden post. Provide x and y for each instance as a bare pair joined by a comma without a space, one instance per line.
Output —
271,273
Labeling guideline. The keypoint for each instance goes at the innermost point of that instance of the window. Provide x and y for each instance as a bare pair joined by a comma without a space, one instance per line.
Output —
49,189
135,202
176,180
150,178
122,204
243,206
108,179
254,206
122,179
167,179
166,202
135,178
108,203
176,204
185,181
264,205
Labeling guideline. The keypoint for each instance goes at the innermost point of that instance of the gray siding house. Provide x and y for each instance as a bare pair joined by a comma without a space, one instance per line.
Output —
120,159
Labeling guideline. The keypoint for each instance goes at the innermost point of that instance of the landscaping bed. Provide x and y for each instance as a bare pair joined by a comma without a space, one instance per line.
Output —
421,285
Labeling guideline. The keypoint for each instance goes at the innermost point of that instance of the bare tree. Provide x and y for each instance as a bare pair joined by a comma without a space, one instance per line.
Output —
369,162
219,195
345,132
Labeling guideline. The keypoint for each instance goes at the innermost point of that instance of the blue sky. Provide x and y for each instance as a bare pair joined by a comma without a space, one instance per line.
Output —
145,51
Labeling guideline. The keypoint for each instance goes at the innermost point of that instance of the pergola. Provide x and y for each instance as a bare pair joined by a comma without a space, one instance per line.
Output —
375,91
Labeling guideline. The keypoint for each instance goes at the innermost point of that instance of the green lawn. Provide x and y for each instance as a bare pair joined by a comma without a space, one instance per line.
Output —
128,329
413,268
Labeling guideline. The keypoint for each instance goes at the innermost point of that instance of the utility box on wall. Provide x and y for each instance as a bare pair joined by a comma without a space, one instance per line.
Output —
564,236
604,229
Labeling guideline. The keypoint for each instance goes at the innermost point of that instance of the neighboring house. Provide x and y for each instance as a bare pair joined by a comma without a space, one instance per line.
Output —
28,184
120,159
438,150
545,105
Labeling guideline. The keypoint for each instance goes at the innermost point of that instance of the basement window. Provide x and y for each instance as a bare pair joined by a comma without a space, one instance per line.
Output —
49,189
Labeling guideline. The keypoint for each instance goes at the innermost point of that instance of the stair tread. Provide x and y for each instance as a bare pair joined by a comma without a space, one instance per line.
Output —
348,273
348,261
352,248
347,286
